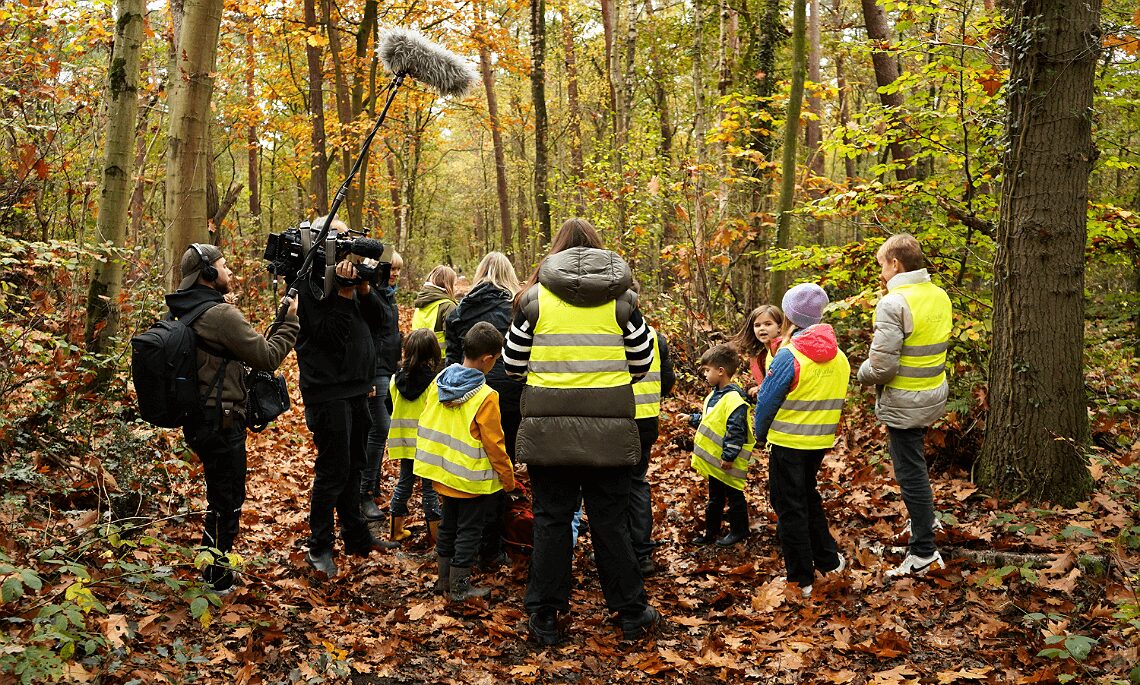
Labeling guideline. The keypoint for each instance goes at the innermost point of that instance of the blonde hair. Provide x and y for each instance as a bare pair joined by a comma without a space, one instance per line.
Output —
337,225
397,260
443,277
497,270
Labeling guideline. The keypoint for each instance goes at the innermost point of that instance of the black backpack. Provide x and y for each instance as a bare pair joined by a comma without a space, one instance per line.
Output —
164,366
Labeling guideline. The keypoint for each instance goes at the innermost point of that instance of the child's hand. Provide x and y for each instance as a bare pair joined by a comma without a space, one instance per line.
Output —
753,392
725,465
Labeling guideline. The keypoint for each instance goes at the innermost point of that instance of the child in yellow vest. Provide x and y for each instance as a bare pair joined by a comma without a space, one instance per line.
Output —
722,448
797,414
757,340
407,394
435,301
460,446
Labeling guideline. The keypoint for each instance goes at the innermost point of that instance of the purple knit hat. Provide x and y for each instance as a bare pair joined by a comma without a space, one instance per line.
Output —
803,305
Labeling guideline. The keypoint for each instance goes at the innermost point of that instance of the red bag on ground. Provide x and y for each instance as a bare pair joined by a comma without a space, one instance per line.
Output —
518,522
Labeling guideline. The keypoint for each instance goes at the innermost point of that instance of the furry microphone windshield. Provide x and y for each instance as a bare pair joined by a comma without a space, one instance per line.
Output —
408,52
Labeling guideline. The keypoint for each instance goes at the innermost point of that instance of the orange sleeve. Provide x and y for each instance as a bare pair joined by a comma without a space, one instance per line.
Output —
487,428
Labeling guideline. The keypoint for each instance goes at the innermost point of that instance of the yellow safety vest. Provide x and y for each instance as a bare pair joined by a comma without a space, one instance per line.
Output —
809,416
445,451
425,317
647,391
405,422
922,363
708,445
576,347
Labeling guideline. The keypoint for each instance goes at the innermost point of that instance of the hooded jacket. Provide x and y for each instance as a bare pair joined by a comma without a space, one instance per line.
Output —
591,427
896,407
456,385
223,329
818,344
429,293
386,336
487,303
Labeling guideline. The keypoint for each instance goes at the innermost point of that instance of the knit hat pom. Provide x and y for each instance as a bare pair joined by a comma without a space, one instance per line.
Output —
803,305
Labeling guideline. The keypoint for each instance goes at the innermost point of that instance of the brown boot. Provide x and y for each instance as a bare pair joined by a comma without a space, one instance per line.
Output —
433,531
443,583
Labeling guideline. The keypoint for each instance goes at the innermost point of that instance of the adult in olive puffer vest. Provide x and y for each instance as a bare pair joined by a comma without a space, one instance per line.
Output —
226,343
579,340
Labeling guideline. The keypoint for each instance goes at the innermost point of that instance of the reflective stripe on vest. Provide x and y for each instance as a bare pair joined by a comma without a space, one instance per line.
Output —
426,317
445,451
405,421
647,391
922,361
708,444
809,416
576,347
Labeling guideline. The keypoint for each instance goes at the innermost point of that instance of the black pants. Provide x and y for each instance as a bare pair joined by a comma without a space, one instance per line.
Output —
340,431
222,452
719,494
461,528
805,540
641,504
556,491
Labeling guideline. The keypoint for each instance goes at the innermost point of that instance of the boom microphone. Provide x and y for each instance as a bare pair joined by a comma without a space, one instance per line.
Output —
407,52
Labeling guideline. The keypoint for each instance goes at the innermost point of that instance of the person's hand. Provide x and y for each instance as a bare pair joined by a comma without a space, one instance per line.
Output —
230,298
346,270
292,303
725,465
753,392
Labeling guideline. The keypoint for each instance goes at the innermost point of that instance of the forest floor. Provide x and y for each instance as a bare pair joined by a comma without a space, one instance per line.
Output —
1041,614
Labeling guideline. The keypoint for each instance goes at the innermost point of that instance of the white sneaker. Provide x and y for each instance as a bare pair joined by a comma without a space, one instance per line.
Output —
842,564
904,536
806,592
916,566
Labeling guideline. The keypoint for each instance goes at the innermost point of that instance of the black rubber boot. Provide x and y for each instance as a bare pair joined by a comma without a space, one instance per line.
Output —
461,587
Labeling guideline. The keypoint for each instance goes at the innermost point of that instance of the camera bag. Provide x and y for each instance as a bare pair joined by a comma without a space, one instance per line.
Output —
266,398
164,367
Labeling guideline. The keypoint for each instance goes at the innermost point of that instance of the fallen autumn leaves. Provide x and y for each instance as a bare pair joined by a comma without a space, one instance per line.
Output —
728,616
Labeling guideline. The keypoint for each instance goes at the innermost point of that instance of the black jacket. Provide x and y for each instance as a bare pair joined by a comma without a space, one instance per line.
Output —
487,303
335,349
386,337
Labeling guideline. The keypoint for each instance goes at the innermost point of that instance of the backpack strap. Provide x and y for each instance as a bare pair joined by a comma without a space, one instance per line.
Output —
217,384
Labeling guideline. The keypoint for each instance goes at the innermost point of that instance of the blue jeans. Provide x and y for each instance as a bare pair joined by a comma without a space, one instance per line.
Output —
402,493
908,456
377,439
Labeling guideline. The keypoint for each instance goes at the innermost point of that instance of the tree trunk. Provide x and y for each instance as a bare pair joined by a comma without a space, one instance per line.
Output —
319,165
253,146
778,282
115,195
538,95
192,84
813,135
397,210
844,112
615,79
573,112
485,69
364,38
887,72
344,113
1037,429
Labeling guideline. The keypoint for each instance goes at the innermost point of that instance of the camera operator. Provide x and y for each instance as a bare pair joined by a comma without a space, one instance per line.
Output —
337,360
225,341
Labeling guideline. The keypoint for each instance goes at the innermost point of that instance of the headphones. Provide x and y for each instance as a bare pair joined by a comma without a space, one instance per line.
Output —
208,271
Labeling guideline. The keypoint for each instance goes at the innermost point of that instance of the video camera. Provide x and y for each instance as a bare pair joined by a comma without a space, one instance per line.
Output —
285,253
